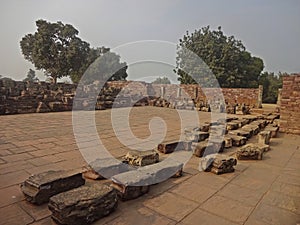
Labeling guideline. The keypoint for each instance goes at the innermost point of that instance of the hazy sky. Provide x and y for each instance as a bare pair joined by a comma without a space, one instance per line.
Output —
268,29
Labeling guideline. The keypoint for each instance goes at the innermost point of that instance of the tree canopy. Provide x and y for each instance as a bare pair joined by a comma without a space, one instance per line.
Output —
226,57
271,83
56,49
31,76
106,67
161,80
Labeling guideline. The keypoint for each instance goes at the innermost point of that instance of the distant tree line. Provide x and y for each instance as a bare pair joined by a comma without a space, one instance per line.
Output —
56,49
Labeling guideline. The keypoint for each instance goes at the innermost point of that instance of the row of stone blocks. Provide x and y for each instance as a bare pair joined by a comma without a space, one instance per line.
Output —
73,201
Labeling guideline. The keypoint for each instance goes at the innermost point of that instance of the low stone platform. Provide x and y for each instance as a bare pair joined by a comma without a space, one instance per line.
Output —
258,192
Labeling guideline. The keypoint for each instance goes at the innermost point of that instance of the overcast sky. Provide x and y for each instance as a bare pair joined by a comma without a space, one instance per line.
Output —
268,29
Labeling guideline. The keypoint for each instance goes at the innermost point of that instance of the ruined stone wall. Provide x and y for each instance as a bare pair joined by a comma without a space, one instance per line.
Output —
24,97
290,104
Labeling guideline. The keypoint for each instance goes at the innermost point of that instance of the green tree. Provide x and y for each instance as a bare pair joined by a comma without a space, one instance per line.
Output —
161,80
224,56
107,67
271,83
31,76
56,49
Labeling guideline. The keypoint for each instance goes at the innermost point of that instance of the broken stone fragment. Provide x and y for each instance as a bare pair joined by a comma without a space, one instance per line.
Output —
90,173
199,148
108,167
232,125
264,137
261,123
236,140
217,164
218,144
141,158
133,184
228,141
241,132
169,147
40,187
83,205
250,152
273,130
196,136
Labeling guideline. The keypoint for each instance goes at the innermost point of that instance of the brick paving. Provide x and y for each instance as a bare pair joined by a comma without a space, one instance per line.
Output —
258,192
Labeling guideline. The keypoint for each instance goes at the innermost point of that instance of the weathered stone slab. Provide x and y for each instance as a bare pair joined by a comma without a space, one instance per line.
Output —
199,148
218,130
141,158
240,132
223,164
169,147
236,140
83,205
232,125
108,167
40,187
196,136
218,144
133,184
217,164
253,129
228,141
243,121
250,152
273,130
261,123
204,127
264,137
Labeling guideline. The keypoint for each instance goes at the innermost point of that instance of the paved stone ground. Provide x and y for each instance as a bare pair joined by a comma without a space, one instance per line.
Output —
259,192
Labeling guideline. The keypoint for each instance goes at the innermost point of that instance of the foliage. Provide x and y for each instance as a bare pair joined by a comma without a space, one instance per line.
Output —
161,80
31,76
107,67
271,83
55,48
224,56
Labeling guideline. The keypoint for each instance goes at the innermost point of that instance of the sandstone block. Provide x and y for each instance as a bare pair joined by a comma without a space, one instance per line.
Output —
264,137
232,125
83,205
273,130
199,148
250,152
40,187
141,158
196,136
132,184
169,147
236,140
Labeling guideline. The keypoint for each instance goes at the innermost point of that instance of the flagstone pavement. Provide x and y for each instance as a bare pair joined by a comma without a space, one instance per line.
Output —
258,192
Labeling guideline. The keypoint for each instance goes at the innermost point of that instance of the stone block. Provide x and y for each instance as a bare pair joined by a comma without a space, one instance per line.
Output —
250,152
273,130
217,164
199,148
169,147
237,140
196,136
132,184
241,132
108,167
83,205
40,187
264,137
223,164
228,141
232,125
141,158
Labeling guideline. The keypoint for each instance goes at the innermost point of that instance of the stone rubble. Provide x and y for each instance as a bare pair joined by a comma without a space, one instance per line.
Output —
40,187
83,205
